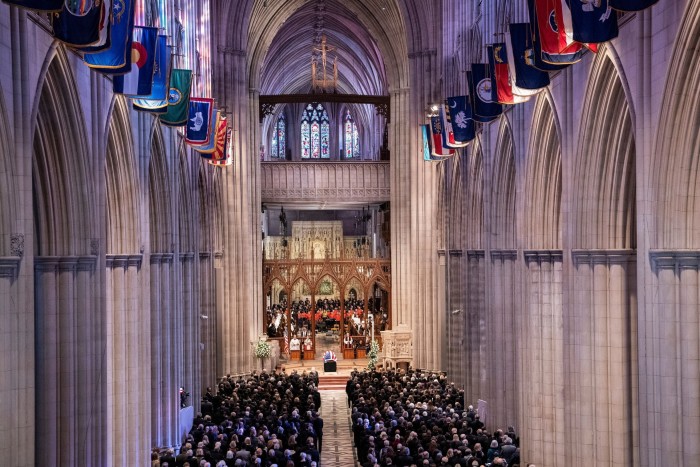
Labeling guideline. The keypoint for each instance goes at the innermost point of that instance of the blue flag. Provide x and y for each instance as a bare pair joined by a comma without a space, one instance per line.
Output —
631,5
139,80
157,101
213,125
38,5
78,22
427,151
519,44
116,59
463,127
484,109
199,118
592,22
105,40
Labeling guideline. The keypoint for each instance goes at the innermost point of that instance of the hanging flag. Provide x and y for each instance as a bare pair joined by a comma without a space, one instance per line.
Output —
78,22
528,79
213,125
427,146
483,108
501,82
551,42
589,21
37,5
438,149
219,154
139,81
178,98
228,151
448,137
461,116
631,5
116,59
104,41
157,101
199,117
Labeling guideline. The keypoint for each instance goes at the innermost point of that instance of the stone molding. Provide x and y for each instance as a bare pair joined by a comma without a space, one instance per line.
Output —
205,254
675,259
476,254
9,266
161,258
367,182
120,261
504,255
65,263
601,256
189,256
543,256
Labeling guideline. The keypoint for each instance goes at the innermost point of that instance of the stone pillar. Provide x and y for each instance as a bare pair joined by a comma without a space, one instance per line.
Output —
475,337
542,424
158,437
207,308
600,335
66,296
670,364
501,342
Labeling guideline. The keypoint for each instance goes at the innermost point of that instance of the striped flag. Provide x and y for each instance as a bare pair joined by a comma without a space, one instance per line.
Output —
286,342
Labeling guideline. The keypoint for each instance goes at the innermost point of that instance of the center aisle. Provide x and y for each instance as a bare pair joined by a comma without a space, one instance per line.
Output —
337,450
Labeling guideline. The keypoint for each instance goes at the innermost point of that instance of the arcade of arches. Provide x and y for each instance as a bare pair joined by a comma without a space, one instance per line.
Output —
551,268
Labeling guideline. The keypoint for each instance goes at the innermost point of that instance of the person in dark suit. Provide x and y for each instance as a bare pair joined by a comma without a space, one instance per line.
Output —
318,428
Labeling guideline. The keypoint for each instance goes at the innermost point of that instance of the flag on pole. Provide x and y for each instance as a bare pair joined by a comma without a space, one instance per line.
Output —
213,125
286,342
157,101
589,21
116,59
139,81
460,111
631,5
427,149
501,82
483,108
538,48
178,98
199,119
37,5
228,152
527,78
78,22
448,136
557,47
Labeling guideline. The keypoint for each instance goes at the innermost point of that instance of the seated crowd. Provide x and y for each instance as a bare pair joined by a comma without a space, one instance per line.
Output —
265,419
417,418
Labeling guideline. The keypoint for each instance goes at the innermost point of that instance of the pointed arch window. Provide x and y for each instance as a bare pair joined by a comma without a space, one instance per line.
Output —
278,145
351,138
315,133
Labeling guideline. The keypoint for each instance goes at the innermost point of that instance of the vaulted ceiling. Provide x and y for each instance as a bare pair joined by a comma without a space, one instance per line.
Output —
287,65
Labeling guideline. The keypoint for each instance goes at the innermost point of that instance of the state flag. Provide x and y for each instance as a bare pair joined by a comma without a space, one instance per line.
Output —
546,18
104,41
199,118
117,58
525,78
438,149
213,125
178,98
77,24
427,146
138,81
448,136
589,21
484,109
460,111
157,101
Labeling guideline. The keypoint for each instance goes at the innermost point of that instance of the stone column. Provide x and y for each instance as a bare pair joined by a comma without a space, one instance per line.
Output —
207,308
158,437
600,330
474,349
541,348
501,342
670,375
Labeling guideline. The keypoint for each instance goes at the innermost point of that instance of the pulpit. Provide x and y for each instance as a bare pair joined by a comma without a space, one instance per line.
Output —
348,353
295,354
361,352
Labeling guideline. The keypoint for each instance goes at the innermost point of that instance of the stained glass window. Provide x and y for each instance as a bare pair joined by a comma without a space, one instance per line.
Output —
281,136
351,139
315,133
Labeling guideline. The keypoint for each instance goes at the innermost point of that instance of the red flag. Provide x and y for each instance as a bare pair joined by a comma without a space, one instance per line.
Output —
553,37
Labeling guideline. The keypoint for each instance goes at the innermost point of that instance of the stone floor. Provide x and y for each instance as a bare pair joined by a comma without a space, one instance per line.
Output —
338,449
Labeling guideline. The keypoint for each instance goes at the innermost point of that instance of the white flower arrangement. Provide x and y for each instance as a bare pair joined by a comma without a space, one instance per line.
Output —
373,354
262,349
